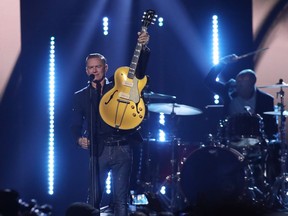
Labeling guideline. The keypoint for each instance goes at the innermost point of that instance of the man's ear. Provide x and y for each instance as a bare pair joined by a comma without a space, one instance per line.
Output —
106,68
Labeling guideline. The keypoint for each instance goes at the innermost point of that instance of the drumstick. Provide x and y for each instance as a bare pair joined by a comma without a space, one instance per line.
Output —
251,53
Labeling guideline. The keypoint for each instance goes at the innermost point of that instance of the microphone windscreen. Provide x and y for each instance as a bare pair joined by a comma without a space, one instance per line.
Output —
91,77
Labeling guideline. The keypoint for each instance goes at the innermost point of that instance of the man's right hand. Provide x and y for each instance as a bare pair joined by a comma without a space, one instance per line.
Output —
83,142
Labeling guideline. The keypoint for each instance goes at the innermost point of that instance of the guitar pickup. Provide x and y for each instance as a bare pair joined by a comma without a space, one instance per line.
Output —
124,95
128,83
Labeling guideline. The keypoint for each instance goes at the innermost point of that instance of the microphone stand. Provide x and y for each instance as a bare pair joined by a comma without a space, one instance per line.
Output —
93,148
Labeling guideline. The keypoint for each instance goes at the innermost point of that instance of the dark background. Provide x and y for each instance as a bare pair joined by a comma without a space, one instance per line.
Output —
181,56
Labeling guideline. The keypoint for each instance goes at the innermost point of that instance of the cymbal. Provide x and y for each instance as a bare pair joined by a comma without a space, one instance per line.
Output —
173,108
157,96
275,86
285,113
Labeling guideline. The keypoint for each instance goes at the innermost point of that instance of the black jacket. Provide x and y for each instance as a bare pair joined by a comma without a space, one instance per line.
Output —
264,101
81,113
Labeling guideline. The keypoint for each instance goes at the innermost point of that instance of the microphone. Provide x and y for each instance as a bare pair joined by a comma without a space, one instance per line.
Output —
91,77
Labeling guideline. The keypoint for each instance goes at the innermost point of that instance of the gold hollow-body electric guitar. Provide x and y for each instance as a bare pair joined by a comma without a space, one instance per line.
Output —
122,107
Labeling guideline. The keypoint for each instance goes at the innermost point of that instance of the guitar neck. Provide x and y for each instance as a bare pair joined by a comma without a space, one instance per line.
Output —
135,58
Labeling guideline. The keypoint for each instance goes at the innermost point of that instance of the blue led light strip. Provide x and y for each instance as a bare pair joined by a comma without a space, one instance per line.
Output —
215,40
51,117
215,47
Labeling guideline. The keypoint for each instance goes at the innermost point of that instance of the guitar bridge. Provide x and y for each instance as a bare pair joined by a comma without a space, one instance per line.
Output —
123,101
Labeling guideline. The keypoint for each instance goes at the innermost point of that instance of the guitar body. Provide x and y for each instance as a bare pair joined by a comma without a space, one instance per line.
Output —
123,107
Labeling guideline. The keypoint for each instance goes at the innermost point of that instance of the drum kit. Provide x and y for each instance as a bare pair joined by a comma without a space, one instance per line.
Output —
279,192
230,167
174,153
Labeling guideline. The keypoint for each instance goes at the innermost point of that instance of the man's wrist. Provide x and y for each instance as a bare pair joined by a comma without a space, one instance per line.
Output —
145,47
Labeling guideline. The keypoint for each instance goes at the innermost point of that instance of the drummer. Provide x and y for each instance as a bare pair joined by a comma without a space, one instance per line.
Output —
241,95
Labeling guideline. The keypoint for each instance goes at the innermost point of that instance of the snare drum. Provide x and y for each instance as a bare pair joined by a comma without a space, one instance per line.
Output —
244,130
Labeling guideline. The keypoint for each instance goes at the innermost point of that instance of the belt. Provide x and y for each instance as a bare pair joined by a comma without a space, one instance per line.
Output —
116,143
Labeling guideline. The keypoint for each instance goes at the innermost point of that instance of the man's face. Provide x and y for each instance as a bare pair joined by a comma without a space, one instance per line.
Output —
245,86
96,67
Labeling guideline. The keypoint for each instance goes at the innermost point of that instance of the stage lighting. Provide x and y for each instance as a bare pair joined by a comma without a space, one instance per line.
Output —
105,25
108,183
51,117
160,21
215,39
161,133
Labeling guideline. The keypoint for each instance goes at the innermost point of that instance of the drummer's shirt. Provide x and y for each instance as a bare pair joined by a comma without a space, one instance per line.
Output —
239,105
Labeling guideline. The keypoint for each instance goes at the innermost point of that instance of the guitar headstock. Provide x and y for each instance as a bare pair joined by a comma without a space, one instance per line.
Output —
149,17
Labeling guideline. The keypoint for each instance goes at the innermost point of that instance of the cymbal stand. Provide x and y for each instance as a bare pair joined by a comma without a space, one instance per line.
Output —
175,193
280,187
147,182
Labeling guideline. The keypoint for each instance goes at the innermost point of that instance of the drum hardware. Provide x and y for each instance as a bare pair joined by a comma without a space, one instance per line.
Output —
277,113
174,110
221,132
176,196
149,96
213,124
273,164
279,189
253,186
174,199
245,133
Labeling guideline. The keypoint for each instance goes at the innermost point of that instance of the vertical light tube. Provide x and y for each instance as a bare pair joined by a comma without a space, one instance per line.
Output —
108,183
105,25
215,40
51,117
215,47
161,133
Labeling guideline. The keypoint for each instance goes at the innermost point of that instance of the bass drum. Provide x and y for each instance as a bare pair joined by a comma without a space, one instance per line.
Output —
213,174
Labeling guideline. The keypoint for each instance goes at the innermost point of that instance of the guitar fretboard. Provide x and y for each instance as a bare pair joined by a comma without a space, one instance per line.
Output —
135,57
134,61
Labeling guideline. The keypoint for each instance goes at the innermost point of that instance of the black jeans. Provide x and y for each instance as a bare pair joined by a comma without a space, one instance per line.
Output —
118,160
